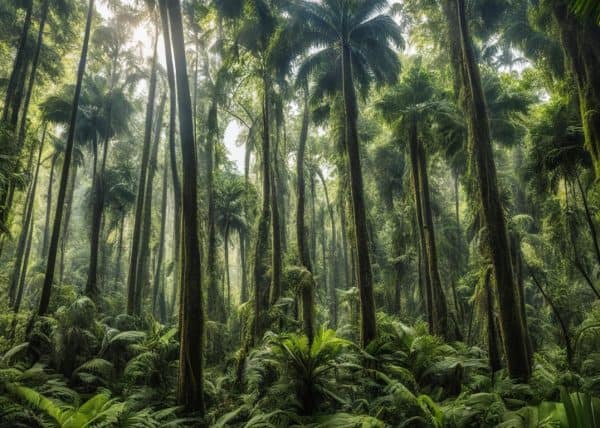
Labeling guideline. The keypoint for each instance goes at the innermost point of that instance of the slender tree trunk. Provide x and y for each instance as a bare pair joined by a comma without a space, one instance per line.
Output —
492,341
172,148
91,287
276,252
67,219
228,278
143,263
119,261
576,256
18,71
563,326
132,279
439,306
590,220
333,306
261,279
458,269
473,102
216,307
301,233
24,268
244,286
313,222
53,249
27,221
48,207
344,231
368,330
517,261
156,293
34,65
190,388
415,165
12,103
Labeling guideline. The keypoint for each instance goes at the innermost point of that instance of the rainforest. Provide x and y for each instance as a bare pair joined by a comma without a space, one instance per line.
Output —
299,213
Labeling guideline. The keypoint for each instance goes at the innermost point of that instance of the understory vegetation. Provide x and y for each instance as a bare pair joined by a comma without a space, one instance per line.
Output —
300,213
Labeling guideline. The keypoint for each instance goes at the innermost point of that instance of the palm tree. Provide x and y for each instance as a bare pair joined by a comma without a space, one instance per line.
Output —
53,249
229,214
359,37
409,107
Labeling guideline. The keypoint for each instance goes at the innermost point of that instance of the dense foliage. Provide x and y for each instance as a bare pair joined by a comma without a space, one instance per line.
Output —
272,213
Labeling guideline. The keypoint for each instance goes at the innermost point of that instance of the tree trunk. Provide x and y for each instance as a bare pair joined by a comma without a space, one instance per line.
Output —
132,279
143,267
156,294
18,71
216,307
439,306
313,222
333,306
492,337
24,268
573,240
12,103
48,207
261,279
276,253
67,219
227,277
368,328
172,148
190,388
244,286
98,182
415,165
26,225
53,249
480,146
590,220
563,326
517,260
31,82
344,231
578,37
301,232
91,287
119,261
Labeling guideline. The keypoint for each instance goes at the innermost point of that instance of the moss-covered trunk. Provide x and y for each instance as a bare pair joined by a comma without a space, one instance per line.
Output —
190,386
579,38
473,103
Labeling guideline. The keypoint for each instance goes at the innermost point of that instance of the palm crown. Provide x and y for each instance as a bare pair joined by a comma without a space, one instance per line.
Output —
359,24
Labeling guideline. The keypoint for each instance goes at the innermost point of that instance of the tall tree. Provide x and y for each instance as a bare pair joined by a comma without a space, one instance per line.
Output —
190,389
54,239
356,33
